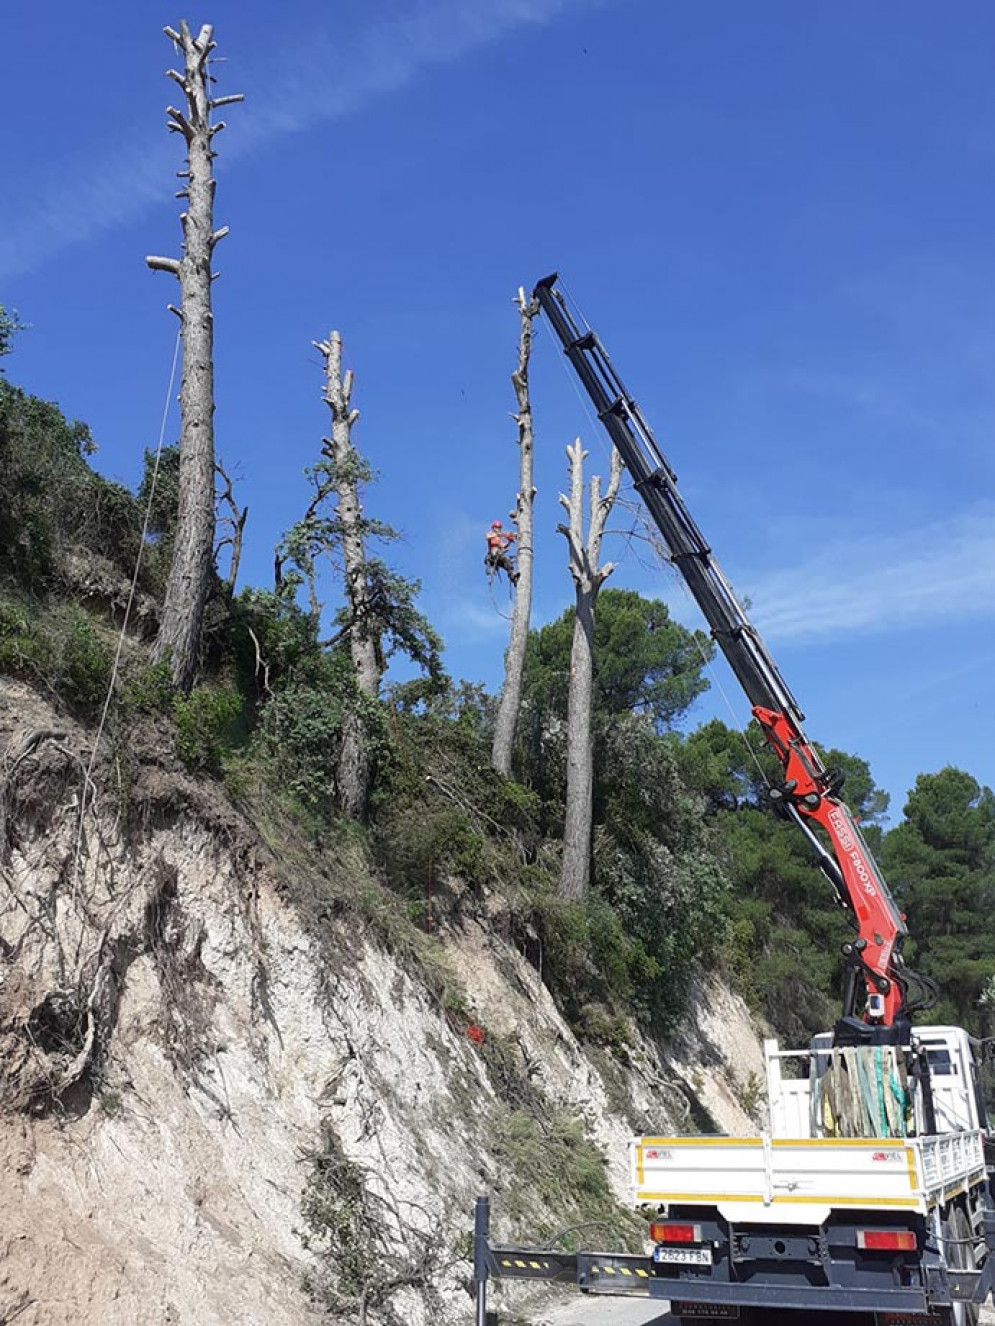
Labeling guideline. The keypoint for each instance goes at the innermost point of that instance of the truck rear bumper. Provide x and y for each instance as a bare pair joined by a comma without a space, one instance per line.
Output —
819,1269
812,1297
596,1273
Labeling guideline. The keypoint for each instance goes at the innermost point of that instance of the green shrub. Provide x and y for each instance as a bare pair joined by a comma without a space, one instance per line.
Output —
23,650
206,722
442,809
83,668
150,689
273,643
338,1229
50,497
302,734
552,1162
61,650
423,840
596,971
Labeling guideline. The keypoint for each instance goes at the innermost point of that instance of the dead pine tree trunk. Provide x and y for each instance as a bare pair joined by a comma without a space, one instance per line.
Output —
364,635
514,659
189,582
588,577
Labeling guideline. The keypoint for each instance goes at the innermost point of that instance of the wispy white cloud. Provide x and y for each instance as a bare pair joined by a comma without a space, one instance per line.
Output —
919,577
868,396
472,618
317,79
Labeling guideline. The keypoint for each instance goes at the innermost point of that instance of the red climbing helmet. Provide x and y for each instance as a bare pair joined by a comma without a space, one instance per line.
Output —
495,524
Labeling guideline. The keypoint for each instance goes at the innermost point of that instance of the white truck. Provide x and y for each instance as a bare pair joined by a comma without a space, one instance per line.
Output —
894,1229
870,1194
895,1224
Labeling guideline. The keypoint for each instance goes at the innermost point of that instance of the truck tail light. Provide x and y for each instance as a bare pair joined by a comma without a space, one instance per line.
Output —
667,1232
887,1240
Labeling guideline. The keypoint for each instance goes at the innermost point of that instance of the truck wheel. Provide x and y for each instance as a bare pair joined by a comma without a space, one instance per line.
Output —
960,1256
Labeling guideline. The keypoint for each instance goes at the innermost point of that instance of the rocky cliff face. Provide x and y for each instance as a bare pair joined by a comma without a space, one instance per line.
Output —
225,1082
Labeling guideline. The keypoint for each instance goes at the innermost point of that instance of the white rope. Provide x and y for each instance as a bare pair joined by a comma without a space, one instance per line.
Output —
131,599
491,577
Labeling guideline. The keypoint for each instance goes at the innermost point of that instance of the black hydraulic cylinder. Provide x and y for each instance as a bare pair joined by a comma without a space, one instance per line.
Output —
656,484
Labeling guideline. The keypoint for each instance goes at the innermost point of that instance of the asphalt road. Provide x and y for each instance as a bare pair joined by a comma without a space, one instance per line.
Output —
582,1310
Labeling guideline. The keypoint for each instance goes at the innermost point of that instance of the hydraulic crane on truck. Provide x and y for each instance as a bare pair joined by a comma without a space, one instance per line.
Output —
884,1213
808,794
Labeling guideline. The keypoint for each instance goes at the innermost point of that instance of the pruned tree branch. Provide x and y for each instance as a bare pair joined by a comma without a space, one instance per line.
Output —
235,521
164,265
600,511
262,667
178,123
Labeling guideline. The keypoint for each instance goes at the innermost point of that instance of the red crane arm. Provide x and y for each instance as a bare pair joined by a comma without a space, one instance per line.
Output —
807,797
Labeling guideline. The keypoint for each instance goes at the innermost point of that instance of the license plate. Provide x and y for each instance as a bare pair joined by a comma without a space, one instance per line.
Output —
713,1311
683,1256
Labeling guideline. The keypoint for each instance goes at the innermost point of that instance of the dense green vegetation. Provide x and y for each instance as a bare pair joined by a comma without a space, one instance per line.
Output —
52,500
943,856
689,863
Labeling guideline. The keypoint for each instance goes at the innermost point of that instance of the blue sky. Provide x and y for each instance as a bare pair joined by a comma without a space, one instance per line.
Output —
778,216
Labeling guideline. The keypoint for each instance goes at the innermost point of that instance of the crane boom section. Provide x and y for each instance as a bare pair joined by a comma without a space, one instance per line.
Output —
808,792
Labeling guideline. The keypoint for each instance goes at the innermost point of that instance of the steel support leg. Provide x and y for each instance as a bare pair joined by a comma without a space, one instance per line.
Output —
481,1234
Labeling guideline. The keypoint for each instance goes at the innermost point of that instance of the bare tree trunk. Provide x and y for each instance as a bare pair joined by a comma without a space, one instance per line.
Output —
514,659
181,627
588,577
575,867
364,635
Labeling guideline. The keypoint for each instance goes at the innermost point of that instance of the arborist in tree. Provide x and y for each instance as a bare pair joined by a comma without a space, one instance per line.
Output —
497,559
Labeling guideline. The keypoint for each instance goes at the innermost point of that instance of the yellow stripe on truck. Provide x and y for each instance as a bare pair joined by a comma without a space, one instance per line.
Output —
713,1198
700,1141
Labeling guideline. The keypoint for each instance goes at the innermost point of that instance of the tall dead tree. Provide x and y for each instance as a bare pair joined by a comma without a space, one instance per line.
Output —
588,577
189,581
378,617
347,471
514,659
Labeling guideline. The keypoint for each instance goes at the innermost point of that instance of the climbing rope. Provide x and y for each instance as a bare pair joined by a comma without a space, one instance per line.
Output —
491,572
112,683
